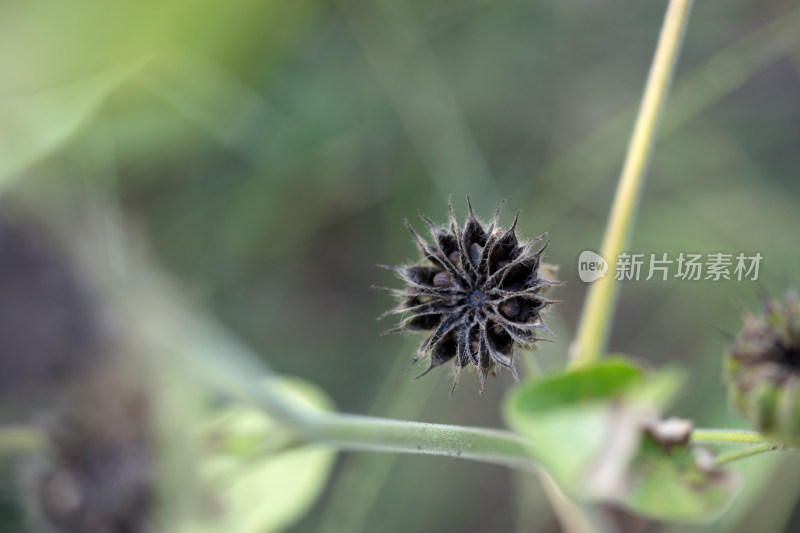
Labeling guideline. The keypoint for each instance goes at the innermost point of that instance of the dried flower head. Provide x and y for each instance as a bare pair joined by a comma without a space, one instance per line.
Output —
479,291
763,369
96,473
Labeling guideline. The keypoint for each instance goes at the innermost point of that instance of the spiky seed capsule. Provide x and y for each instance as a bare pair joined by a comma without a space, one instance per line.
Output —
763,369
479,291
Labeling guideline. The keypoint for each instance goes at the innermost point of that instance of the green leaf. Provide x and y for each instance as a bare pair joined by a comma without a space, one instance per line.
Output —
262,480
586,427
670,485
33,126
597,382
570,420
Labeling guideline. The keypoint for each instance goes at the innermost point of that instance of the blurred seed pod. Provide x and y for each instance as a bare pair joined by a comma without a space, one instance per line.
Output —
64,370
95,474
50,324
762,369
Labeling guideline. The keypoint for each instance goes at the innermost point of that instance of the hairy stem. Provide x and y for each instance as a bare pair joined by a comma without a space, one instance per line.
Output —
598,309
364,433
726,436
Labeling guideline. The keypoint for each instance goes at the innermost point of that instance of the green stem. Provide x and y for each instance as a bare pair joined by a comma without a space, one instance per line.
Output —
19,439
364,433
235,375
726,436
362,476
598,310
758,449
353,432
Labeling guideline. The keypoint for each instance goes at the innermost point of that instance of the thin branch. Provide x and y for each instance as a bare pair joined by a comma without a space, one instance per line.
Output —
759,449
598,309
364,433
726,436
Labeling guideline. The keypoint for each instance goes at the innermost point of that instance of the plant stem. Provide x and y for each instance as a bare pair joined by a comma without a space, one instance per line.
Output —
19,439
362,476
343,431
758,449
364,433
598,310
726,436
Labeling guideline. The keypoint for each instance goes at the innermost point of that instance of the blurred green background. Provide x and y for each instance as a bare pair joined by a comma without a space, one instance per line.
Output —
268,151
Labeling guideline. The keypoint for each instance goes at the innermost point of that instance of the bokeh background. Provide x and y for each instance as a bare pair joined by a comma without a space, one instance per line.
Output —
267,152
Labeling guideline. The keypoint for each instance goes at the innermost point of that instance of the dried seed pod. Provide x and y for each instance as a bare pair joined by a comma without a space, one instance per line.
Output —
96,474
763,369
479,291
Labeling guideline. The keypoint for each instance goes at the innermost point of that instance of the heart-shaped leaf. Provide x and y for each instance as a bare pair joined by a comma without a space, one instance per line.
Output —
588,429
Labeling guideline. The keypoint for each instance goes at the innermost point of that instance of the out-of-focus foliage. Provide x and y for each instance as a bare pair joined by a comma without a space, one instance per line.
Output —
260,479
